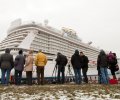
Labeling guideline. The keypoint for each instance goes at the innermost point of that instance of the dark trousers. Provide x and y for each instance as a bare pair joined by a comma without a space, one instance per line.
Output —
112,69
99,76
40,75
18,77
84,71
113,73
29,77
61,69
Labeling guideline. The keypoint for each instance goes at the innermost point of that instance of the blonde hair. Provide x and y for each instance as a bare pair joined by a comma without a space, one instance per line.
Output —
30,51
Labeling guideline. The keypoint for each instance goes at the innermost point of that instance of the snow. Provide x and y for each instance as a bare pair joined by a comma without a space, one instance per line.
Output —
59,92
49,96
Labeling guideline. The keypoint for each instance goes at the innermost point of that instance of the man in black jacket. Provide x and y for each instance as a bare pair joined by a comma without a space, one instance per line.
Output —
75,61
84,61
6,64
61,62
102,65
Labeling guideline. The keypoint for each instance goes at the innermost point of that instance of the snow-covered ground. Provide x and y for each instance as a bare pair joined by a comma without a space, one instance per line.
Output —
61,92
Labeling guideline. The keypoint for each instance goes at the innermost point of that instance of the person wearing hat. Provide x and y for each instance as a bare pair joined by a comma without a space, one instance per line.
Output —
84,62
76,63
61,62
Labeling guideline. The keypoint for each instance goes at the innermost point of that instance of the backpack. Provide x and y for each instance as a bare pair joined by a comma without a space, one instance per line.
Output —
113,81
64,60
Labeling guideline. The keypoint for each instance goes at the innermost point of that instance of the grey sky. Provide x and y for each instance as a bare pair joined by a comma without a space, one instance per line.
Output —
94,20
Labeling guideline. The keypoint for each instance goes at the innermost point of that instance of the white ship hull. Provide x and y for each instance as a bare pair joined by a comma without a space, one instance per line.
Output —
50,40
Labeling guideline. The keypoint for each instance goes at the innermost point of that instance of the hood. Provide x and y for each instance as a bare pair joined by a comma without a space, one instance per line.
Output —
7,50
76,52
102,52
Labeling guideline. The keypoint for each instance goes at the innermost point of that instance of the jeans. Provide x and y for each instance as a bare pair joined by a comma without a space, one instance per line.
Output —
18,77
40,72
84,71
61,69
29,77
104,75
7,73
78,78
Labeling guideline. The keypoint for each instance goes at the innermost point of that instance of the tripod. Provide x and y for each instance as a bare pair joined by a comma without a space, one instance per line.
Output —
69,74
54,72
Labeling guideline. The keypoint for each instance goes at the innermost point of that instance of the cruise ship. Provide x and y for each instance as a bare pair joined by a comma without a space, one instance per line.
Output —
32,35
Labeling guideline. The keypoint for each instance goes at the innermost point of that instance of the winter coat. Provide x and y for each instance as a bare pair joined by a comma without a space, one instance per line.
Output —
40,59
84,61
19,62
102,60
61,60
112,65
76,60
29,63
6,61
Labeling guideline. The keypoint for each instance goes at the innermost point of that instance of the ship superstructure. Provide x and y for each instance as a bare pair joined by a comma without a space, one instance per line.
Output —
50,40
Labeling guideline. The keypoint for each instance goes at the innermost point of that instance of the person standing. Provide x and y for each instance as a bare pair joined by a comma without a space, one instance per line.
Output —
29,67
6,64
76,63
85,61
40,62
61,62
102,65
19,66
112,60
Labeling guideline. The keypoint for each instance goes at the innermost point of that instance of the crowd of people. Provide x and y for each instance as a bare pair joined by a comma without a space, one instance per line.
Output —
20,64
79,62
104,62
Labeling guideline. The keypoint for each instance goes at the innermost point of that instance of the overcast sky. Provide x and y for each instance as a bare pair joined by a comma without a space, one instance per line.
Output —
94,20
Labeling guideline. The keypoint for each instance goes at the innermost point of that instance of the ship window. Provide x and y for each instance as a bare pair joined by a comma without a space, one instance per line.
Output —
39,32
